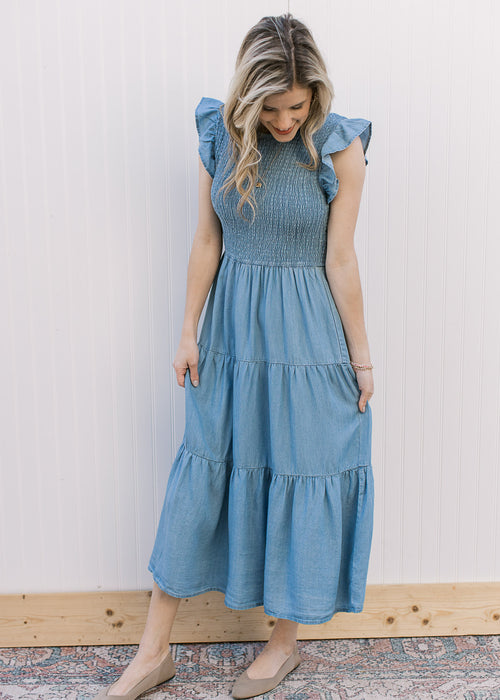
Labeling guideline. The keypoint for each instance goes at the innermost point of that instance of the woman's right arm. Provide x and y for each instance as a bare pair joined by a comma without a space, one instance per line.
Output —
203,263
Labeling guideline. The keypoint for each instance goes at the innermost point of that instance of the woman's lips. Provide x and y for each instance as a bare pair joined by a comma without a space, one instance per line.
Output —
283,133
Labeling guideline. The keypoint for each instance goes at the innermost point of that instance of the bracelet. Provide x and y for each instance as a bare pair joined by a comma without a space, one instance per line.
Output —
359,366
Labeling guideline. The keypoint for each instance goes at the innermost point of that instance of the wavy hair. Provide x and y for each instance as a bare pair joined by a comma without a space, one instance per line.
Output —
276,54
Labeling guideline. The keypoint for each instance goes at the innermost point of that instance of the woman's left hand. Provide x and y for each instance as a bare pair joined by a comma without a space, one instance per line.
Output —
365,383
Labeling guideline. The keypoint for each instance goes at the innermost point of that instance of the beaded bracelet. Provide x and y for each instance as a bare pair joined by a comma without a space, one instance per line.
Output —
356,365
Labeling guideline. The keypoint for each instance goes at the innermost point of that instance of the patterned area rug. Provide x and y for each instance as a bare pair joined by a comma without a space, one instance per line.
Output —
420,668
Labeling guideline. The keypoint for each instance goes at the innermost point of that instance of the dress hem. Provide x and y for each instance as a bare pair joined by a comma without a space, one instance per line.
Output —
254,604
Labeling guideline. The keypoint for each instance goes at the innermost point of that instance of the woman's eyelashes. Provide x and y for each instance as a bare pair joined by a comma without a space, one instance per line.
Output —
271,109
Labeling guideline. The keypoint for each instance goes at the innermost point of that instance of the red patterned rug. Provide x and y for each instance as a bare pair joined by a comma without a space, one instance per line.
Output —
419,668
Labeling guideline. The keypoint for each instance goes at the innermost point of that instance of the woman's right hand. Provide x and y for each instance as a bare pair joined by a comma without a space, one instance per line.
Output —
186,357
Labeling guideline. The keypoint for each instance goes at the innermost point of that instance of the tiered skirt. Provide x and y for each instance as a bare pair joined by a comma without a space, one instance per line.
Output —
270,496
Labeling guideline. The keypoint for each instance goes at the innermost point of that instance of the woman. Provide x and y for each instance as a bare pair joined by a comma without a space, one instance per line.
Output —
270,497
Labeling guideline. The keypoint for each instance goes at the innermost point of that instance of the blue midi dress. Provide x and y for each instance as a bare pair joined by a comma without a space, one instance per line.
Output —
270,496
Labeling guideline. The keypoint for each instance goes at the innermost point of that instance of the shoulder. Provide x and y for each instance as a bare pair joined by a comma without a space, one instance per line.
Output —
339,131
208,113
336,134
209,118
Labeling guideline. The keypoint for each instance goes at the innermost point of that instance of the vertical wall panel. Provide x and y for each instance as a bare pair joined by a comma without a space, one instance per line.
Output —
426,242
98,208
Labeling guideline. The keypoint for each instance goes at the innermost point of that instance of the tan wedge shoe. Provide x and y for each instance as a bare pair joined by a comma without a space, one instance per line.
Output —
161,673
245,687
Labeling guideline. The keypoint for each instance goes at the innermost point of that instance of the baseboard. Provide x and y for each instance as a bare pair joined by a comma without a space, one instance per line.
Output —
118,617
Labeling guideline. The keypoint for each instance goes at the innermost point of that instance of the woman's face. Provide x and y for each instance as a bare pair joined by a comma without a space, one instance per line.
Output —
283,114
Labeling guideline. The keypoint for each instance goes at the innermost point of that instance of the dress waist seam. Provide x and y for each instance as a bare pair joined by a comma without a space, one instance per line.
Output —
271,263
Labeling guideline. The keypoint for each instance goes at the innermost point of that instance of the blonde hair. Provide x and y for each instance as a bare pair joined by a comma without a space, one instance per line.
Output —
277,54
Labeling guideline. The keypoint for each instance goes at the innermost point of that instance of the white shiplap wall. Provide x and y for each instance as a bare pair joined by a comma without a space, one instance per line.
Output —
98,188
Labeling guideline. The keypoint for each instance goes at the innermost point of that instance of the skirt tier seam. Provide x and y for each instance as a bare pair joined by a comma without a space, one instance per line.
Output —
273,362
275,473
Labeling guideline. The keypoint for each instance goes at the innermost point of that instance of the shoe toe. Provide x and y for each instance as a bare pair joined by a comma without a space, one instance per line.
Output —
246,687
163,672
103,694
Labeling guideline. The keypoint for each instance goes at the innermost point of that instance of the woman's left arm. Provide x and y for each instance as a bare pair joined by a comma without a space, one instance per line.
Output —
341,264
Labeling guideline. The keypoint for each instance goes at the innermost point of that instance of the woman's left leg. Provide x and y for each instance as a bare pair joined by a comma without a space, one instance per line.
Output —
277,649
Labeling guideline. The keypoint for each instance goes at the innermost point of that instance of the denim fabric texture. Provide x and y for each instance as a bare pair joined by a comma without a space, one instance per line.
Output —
270,497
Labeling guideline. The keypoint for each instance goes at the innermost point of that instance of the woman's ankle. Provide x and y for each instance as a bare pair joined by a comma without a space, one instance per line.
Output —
154,652
284,645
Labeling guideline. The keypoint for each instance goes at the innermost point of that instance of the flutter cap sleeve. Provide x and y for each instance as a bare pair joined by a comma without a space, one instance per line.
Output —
207,115
342,132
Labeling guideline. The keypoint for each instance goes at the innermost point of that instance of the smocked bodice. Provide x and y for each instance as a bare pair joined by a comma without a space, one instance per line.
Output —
291,210
292,206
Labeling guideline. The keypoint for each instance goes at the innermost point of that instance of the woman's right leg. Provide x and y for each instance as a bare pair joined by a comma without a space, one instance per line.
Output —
155,641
